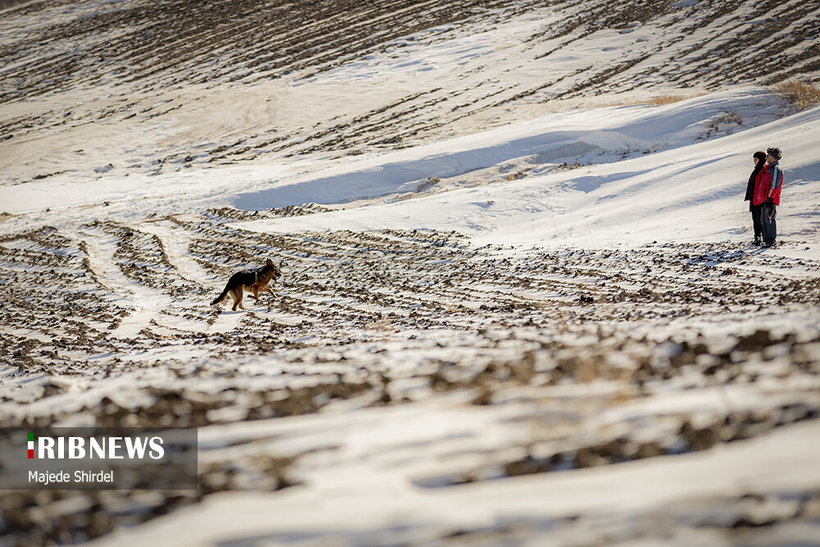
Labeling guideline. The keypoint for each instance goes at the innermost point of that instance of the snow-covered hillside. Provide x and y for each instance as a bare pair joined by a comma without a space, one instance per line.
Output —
520,302
133,86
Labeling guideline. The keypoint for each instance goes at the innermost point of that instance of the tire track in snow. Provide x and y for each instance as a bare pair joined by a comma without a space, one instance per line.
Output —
150,306
138,299
175,245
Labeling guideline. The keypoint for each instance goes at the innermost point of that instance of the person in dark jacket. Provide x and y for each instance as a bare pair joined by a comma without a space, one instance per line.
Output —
768,184
759,158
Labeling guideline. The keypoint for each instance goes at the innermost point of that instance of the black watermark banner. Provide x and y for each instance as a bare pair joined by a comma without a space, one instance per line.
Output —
89,458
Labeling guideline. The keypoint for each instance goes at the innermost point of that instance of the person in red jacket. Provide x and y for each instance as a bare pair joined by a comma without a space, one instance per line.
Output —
768,185
759,158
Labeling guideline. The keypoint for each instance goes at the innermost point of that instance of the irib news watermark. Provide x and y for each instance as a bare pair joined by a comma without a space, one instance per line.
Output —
98,458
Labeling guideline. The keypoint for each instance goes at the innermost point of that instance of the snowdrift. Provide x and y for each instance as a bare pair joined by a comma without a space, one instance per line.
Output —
625,175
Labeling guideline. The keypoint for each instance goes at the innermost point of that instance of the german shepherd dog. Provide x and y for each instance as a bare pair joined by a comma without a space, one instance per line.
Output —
254,281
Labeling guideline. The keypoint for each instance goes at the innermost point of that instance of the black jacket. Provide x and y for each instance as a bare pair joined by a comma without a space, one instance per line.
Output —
750,186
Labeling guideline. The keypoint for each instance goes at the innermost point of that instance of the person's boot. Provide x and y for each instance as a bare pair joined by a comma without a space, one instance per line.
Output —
757,241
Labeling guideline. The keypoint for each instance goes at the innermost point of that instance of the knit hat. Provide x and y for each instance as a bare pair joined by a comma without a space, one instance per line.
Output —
775,153
760,154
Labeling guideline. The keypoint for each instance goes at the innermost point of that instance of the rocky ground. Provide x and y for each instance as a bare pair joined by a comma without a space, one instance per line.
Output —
112,327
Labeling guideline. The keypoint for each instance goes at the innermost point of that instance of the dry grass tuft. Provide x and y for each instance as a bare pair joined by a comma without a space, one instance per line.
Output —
655,100
659,100
800,94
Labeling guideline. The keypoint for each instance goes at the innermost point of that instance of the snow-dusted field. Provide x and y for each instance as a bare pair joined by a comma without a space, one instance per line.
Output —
520,302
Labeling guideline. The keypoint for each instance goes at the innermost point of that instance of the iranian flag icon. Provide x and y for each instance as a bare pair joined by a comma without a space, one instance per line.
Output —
31,446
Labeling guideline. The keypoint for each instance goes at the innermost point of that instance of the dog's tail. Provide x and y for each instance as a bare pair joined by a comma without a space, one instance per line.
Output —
221,298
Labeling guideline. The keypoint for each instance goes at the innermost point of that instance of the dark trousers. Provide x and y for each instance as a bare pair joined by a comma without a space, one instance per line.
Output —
755,209
768,223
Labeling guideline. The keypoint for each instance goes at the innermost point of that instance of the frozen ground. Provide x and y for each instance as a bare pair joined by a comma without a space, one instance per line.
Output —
506,316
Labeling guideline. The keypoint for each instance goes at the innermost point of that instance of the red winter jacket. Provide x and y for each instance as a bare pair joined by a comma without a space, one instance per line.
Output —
769,179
